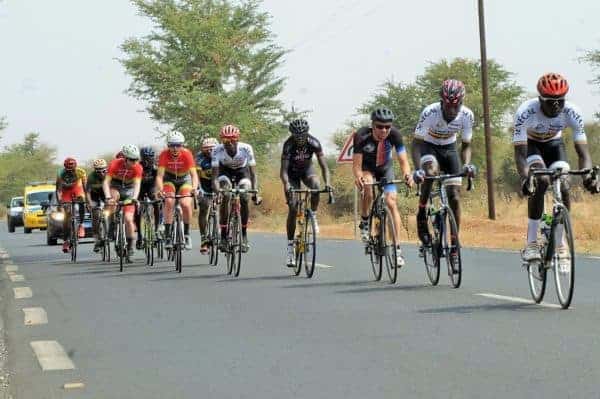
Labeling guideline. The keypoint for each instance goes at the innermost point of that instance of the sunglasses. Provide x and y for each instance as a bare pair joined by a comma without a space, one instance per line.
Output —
227,141
382,127
175,145
553,100
132,159
100,170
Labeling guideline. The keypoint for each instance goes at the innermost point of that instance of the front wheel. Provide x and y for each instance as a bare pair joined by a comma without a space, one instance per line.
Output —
212,235
390,246
373,246
432,251
310,244
236,247
452,248
563,259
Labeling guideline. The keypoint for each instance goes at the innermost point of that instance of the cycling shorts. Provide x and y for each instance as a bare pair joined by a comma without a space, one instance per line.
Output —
446,157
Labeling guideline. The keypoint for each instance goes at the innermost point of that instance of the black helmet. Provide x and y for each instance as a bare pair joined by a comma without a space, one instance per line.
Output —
382,114
299,126
147,152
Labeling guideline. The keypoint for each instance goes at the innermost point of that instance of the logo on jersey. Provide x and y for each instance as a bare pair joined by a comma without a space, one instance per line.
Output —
369,147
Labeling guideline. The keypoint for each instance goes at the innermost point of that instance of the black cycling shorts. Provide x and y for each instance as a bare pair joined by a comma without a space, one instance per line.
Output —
445,155
295,177
547,151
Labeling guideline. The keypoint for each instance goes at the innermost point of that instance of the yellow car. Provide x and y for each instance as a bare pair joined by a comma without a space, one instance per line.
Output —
36,194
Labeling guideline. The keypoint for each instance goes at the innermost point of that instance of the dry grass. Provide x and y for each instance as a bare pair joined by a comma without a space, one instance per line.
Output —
507,231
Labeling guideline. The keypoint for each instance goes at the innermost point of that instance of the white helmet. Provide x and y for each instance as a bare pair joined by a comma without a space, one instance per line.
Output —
209,142
131,151
175,138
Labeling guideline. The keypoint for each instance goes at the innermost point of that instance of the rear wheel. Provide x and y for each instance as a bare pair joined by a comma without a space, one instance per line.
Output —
536,275
390,246
563,259
310,245
431,252
374,246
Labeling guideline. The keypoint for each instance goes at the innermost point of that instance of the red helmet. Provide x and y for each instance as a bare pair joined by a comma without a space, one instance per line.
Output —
452,91
230,132
119,155
552,84
70,163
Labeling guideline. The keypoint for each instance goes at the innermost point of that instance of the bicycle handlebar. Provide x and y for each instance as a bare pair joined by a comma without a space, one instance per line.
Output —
238,190
559,172
452,176
330,201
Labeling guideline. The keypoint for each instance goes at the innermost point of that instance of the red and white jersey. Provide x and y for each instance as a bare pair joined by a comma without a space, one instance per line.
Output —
433,128
242,158
532,124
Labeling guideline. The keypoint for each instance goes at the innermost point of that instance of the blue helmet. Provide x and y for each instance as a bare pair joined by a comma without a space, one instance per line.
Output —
147,152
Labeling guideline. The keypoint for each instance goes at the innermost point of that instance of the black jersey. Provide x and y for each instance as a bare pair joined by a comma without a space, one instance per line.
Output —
300,157
365,144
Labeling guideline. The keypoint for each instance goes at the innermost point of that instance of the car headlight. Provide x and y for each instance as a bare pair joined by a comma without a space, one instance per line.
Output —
58,216
106,213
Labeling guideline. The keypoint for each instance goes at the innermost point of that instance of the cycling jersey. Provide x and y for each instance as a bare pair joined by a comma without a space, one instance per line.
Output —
433,128
176,169
123,176
365,144
243,157
147,187
532,124
94,186
204,167
300,156
70,178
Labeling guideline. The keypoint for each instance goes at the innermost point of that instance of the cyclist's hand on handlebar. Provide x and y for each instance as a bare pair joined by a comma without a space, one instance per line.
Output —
419,176
328,188
590,182
360,183
527,187
408,179
470,170
110,201
257,199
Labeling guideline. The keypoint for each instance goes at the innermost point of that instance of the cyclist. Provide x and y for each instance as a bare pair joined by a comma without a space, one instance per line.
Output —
373,159
147,189
70,181
176,176
233,163
204,170
122,182
296,166
95,196
538,142
434,150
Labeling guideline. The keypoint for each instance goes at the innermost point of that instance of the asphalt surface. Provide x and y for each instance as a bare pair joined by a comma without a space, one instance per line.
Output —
153,333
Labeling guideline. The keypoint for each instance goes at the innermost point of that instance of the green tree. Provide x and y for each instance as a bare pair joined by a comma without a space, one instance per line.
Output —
208,63
592,57
14,173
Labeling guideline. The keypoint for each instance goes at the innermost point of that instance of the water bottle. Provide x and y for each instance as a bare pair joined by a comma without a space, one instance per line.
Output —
545,224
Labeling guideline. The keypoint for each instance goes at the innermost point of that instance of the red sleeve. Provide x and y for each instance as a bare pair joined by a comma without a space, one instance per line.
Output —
113,167
189,160
138,171
163,159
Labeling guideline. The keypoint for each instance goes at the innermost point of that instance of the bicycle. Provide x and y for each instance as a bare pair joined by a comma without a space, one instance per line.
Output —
444,242
212,229
305,242
73,236
177,237
234,240
101,215
382,234
564,273
120,239
147,223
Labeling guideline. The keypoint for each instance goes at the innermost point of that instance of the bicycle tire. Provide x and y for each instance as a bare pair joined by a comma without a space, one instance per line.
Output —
389,245
237,247
73,240
310,244
178,243
148,239
431,252
454,263
121,251
565,287
211,230
299,244
229,241
374,246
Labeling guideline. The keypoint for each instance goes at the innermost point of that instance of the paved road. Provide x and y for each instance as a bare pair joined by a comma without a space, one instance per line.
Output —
151,333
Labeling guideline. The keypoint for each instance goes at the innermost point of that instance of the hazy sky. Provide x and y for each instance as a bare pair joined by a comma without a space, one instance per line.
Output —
60,77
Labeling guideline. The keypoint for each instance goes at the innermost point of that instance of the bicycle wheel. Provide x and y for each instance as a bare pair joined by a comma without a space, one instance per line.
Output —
310,244
389,248
237,247
374,245
121,245
102,236
178,244
299,245
451,246
211,228
73,240
564,269
148,238
431,252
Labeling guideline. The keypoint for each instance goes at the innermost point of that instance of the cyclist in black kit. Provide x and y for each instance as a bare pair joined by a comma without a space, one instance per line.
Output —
296,167
148,162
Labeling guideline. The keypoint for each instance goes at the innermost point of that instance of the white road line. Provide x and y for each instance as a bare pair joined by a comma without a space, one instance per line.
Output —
518,300
35,316
4,256
74,385
11,268
16,277
322,266
22,292
51,355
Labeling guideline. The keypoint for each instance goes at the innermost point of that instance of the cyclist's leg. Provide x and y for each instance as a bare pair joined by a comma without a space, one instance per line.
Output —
555,155
224,183
535,204
244,209
128,215
116,196
430,165
311,180
292,208
186,211
169,205
450,164
390,193
366,200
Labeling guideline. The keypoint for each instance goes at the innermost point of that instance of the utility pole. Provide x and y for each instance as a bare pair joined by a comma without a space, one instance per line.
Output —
486,115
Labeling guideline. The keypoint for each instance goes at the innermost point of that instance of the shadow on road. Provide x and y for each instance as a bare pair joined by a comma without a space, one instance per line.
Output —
257,278
330,284
180,277
486,308
389,287
146,272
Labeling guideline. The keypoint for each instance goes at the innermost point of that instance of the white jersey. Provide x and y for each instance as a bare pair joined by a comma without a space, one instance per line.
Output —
532,124
244,157
434,129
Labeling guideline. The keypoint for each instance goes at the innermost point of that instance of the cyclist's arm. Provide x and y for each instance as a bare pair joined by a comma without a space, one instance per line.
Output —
58,190
357,166
214,176
159,181
137,184
106,186
404,164
283,174
194,174
465,152
583,153
253,177
324,168
521,160
416,151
